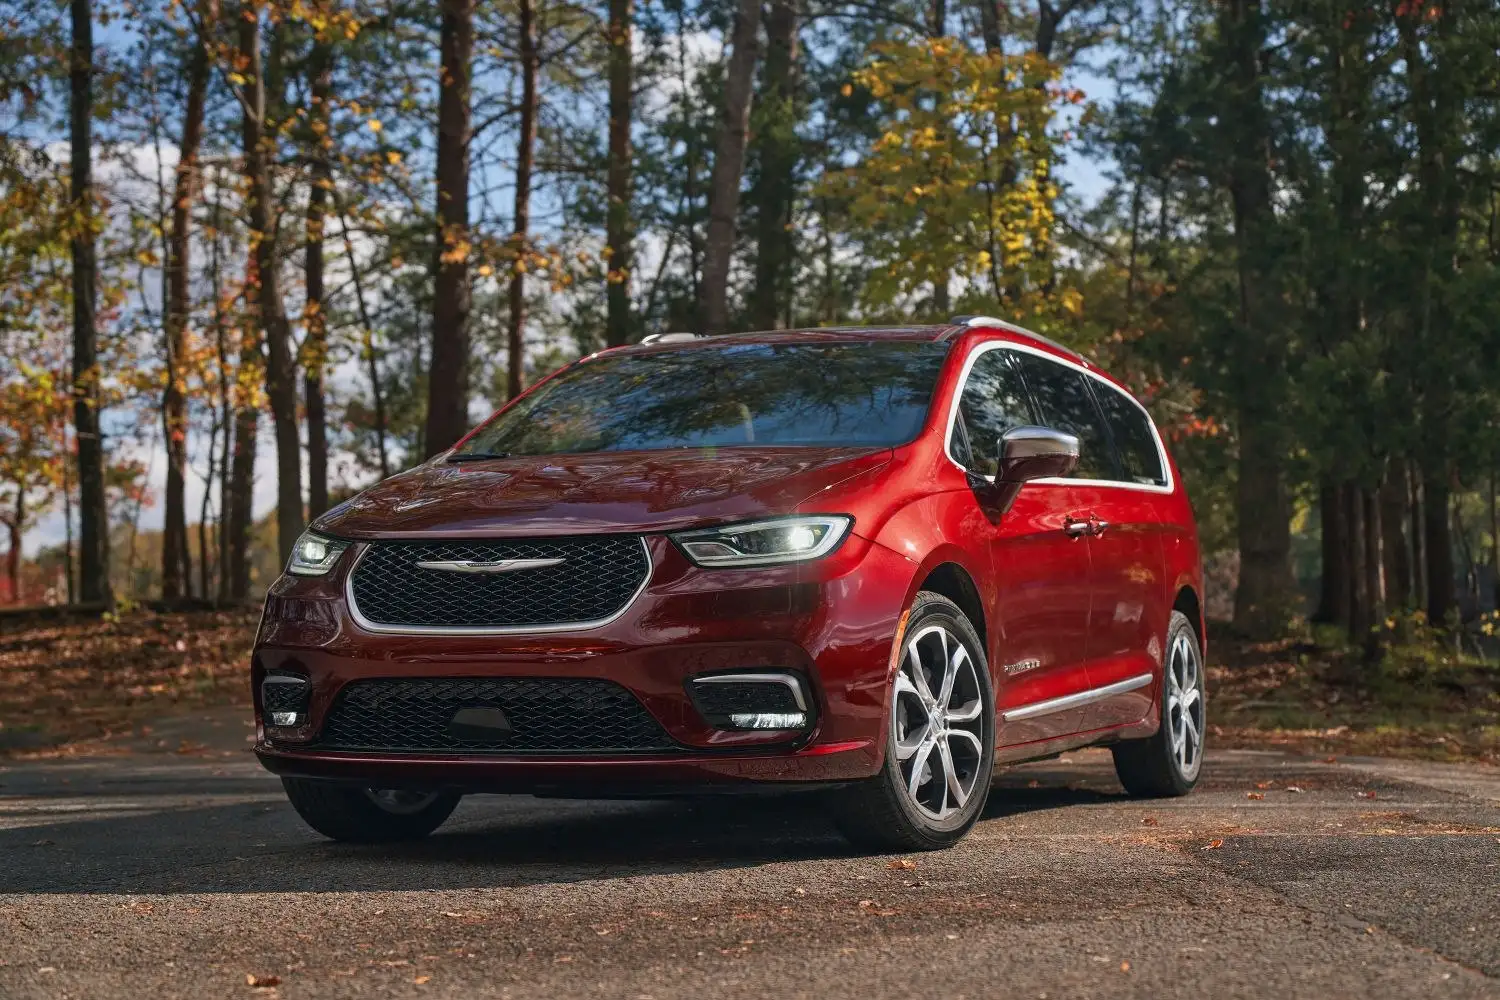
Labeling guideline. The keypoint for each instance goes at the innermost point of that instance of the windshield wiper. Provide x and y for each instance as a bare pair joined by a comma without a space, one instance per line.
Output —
477,456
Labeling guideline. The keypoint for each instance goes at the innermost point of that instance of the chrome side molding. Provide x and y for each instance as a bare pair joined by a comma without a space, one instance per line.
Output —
1076,700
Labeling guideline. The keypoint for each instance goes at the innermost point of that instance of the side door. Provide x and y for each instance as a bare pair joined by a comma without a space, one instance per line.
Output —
1124,555
1131,602
1040,571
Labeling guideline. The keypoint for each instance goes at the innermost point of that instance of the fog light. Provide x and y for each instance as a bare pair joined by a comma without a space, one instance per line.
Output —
283,697
769,720
758,699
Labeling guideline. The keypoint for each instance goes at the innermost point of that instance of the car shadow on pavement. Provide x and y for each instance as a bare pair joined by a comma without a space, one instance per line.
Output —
257,844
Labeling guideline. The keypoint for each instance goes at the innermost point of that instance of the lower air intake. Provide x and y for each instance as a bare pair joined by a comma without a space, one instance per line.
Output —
535,716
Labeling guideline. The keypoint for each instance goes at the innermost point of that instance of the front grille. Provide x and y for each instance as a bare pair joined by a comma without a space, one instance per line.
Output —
546,715
595,579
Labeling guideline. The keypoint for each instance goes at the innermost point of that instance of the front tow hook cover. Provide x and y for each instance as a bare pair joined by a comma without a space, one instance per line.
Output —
480,724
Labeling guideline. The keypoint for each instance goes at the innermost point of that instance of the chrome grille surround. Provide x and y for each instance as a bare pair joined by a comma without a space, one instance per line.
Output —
521,628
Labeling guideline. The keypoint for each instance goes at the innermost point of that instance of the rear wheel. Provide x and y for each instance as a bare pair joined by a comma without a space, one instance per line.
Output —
1167,764
368,815
940,748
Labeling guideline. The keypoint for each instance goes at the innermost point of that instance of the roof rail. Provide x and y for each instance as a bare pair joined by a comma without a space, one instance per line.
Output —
970,322
669,338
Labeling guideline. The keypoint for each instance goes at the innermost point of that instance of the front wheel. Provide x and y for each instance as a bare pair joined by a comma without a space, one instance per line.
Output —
368,815
1167,764
940,748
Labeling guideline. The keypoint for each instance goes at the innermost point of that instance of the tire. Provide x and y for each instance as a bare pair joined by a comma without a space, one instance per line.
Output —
891,812
367,815
1157,766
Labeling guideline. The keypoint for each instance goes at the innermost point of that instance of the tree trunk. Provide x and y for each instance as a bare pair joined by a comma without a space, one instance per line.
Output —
1374,571
13,554
1494,539
175,561
448,374
989,27
937,25
226,404
1357,613
236,569
371,359
618,259
1393,514
729,164
520,242
67,492
1438,545
1333,589
93,514
1418,541
263,301
1266,596
776,185
315,345
1435,111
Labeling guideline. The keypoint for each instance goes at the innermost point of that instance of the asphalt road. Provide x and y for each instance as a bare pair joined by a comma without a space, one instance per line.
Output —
179,874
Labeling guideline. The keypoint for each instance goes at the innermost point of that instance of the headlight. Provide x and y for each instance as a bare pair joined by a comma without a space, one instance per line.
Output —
764,543
314,555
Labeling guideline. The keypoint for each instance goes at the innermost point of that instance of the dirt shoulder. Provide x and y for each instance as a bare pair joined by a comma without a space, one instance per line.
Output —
76,686
1424,702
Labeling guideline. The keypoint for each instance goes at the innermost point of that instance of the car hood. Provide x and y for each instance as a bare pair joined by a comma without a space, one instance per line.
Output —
609,491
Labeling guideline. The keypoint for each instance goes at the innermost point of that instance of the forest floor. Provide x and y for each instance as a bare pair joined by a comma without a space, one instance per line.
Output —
71,688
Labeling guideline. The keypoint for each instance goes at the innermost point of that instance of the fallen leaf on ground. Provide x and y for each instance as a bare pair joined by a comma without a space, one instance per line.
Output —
261,982
1213,845
1264,784
422,979
1124,966
902,864
1255,795
1148,821
1364,795
1297,789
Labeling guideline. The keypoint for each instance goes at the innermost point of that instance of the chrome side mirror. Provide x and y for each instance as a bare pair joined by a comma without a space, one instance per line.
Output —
1031,452
1025,453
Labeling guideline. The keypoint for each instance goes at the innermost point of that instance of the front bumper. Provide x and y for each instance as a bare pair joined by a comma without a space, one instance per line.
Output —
833,621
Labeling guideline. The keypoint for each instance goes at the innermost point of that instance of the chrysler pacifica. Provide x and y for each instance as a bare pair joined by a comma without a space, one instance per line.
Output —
876,563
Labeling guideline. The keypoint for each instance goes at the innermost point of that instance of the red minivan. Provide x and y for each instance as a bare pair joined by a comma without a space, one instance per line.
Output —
879,563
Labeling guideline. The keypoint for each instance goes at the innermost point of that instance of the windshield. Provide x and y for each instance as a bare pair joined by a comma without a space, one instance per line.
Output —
862,393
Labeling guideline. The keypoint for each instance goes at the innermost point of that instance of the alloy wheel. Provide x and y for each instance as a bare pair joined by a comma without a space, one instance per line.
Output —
937,721
1185,704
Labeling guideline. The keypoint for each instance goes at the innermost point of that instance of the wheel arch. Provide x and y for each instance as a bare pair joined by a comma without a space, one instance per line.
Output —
1188,602
954,582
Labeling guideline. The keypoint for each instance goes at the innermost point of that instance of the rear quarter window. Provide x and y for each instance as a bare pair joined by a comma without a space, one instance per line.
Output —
1134,441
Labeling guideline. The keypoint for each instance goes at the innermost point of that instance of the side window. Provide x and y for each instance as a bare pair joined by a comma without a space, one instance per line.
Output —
993,402
1065,402
1134,441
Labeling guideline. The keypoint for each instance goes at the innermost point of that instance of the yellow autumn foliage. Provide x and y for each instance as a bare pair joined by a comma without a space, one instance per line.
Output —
958,183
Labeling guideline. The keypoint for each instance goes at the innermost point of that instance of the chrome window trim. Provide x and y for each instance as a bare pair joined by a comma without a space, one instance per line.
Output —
458,630
1078,700
759,678
1009,345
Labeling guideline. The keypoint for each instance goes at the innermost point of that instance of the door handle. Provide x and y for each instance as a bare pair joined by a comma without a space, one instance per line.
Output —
1098,526
1077,528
